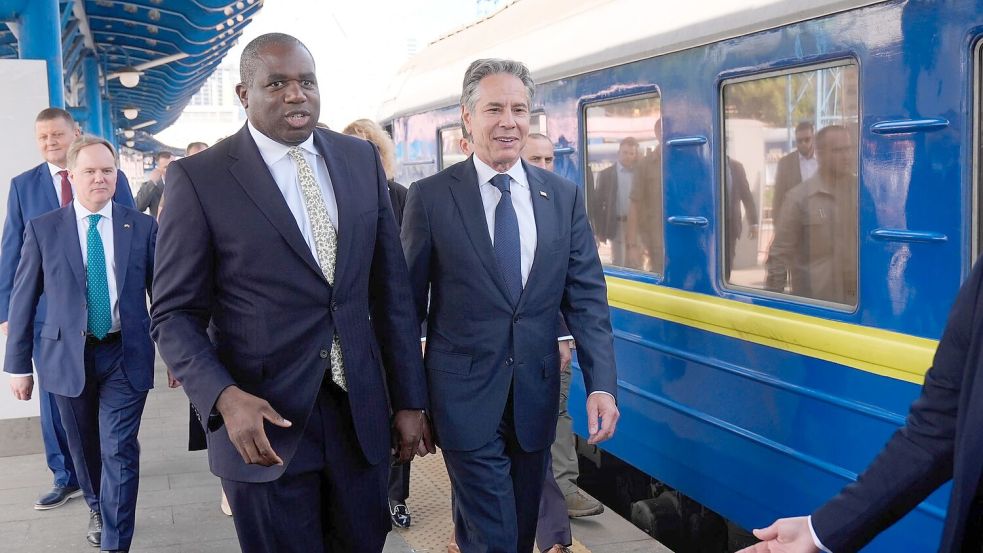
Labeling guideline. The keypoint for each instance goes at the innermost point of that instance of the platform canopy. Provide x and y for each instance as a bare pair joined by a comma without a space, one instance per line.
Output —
172,46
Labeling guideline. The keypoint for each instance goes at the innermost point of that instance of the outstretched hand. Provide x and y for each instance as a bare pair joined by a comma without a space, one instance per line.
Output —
785,535
409,429
244,415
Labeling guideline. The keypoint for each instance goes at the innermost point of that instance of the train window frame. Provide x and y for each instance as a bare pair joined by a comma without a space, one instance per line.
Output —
637,93
440,143
546,127
730,78
976,240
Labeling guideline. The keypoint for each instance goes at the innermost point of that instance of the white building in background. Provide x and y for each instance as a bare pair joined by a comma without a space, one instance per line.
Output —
212,114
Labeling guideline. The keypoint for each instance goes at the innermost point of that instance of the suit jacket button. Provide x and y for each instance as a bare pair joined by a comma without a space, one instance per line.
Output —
334,305
324,354
508,361
516,319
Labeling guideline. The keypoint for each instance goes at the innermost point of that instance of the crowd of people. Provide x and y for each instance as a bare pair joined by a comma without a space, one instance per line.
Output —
290,280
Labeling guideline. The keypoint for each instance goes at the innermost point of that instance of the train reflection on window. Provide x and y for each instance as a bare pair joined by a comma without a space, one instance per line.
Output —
624,182
789,184
450,146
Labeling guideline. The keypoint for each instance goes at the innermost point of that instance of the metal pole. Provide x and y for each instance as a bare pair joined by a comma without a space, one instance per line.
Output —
40,39
93,94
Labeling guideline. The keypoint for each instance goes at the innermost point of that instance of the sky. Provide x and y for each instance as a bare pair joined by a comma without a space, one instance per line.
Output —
358,45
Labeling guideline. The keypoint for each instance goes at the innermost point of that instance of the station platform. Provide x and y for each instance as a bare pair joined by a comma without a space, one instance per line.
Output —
178,507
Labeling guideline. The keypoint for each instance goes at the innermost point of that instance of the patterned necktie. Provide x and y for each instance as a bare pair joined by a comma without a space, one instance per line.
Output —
325,245
507,248
100,318
66,188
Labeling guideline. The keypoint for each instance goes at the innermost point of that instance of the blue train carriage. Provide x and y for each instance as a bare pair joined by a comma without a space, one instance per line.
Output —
761,367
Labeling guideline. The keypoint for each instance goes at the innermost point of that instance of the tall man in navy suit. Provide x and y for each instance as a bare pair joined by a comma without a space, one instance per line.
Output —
93,260
287,244
32,193
940,441
501,247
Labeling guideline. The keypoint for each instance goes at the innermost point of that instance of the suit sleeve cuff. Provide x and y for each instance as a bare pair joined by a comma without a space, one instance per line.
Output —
20,375
564,338
815,538
601,392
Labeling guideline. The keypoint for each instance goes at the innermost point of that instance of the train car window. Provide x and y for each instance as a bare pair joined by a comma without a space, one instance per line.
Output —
789,183
537,123
450,146
624,181
977,238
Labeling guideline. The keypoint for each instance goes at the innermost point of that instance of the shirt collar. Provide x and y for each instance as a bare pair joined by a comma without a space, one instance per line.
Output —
81,212
272,151
485,172
53,169
804,158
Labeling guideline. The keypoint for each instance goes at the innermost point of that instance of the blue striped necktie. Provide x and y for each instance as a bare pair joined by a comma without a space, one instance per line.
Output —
100,318
507,245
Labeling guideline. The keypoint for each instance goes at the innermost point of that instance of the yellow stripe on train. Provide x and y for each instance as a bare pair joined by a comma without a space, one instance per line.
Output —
877,351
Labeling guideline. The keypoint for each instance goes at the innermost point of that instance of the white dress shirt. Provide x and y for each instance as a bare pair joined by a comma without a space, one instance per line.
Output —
807,166
521,201
56,180
105,227
284,172
815,538
626,180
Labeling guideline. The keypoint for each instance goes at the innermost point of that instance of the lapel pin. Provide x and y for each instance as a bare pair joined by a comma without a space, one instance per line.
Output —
544,194
126,225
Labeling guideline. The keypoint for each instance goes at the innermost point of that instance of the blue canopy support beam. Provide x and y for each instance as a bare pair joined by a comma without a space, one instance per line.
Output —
40,39
93,94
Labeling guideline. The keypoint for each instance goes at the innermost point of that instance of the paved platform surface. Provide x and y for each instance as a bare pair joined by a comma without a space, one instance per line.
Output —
178,506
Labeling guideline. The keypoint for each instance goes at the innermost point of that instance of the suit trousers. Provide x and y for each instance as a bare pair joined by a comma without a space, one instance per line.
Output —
399,482
102,426
496,490
328,500
553,526
56,451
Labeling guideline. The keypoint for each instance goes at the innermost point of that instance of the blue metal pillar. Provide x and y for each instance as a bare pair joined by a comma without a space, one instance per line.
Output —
108,130
93,95
40,39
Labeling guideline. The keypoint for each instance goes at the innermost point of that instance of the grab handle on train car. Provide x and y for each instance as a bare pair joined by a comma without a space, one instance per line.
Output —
688,221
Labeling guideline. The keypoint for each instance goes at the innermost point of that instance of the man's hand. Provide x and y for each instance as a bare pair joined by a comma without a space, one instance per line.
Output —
3,328
244,415
408,429
602,417
785,535
566,356
21,386
171,381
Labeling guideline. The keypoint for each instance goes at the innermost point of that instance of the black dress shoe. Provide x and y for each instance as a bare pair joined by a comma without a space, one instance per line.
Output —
56,497
94,534
399,513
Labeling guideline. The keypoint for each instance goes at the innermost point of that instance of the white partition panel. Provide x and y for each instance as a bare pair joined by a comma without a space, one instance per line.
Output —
20,101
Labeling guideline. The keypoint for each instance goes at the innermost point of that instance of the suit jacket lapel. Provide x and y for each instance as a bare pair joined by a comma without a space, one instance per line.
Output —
47,190
255,178
122,237
341,183
545,224
69,240
467,196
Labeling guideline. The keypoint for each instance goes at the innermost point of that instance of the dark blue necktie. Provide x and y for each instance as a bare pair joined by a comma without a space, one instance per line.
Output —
507,249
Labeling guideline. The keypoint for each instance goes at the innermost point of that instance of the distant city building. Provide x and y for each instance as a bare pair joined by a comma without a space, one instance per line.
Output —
213,113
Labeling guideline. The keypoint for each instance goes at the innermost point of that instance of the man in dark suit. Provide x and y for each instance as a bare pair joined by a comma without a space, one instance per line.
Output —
614,188
151,192
502,247
287,247
940,441
93,260
32,193
796,166
738,193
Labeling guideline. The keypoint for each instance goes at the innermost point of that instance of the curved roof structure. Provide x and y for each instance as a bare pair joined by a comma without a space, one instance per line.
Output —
176,44
558,38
